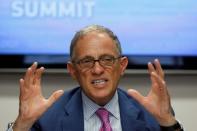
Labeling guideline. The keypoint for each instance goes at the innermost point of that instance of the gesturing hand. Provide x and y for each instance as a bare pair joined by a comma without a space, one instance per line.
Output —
157,102
32,103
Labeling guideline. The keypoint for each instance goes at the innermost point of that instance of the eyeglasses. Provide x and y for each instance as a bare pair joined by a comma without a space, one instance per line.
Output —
89,62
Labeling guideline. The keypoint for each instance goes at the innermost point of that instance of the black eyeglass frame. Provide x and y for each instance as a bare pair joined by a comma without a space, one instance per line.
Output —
92,61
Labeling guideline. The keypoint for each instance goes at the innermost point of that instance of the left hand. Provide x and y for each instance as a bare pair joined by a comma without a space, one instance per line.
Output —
157,102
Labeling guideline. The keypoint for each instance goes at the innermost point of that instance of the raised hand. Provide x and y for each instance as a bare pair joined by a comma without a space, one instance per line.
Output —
157,102
32,104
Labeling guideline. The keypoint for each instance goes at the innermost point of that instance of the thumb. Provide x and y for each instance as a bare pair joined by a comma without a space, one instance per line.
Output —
136,95
54,97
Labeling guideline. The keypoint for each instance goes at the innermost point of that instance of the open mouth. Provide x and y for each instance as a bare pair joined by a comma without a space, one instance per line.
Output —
99,82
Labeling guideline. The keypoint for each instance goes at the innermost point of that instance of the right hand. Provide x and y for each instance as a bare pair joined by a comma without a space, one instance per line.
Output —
32,104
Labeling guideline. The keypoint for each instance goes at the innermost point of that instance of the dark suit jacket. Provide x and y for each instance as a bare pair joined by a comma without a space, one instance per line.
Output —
67,114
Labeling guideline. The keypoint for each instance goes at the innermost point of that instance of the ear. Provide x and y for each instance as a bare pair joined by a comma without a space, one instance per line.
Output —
123,64
71,69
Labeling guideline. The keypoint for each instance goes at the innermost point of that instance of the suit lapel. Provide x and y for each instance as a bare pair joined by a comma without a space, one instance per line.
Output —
129,114
74,119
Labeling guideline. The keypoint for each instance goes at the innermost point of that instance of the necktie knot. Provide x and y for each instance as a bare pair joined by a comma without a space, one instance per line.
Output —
103,115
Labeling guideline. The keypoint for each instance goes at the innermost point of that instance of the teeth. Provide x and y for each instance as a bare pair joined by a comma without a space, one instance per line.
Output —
98,82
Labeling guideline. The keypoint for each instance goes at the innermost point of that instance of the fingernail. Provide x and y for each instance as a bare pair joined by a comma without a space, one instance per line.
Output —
156,60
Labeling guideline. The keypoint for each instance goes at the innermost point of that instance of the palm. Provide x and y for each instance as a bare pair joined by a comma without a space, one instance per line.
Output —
32,103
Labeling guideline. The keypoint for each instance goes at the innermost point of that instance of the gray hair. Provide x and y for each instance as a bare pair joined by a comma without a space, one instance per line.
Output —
96,28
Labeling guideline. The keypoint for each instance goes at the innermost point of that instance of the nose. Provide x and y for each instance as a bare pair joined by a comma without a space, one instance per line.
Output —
97,68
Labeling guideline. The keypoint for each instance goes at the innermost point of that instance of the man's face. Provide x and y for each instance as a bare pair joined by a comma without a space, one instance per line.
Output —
99,82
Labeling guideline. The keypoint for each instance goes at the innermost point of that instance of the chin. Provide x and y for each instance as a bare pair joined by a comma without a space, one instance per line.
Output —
102,96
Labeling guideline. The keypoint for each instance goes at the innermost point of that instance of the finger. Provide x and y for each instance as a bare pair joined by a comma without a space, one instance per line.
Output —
29,76
151,68
54,97
38,75
156,87
159,69
154,83
34,66
33,70
162,84
21,81
136,95
162,89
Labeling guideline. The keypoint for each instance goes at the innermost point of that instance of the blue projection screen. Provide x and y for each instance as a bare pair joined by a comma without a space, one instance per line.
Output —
144,27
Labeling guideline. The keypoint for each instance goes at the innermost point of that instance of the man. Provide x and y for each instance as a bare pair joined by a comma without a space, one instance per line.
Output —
97,104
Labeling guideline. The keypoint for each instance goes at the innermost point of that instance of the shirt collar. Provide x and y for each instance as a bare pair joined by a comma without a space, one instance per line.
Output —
89,107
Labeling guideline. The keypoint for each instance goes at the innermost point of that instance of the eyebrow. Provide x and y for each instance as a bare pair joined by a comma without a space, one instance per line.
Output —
88,56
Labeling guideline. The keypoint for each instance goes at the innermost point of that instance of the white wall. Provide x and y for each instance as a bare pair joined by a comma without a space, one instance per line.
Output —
182,87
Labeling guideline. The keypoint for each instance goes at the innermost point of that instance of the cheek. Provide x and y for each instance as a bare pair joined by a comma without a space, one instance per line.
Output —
115,78
82,78
115,74
117,69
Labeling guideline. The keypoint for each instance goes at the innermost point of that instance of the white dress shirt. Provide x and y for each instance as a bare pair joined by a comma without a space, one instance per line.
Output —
92,121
